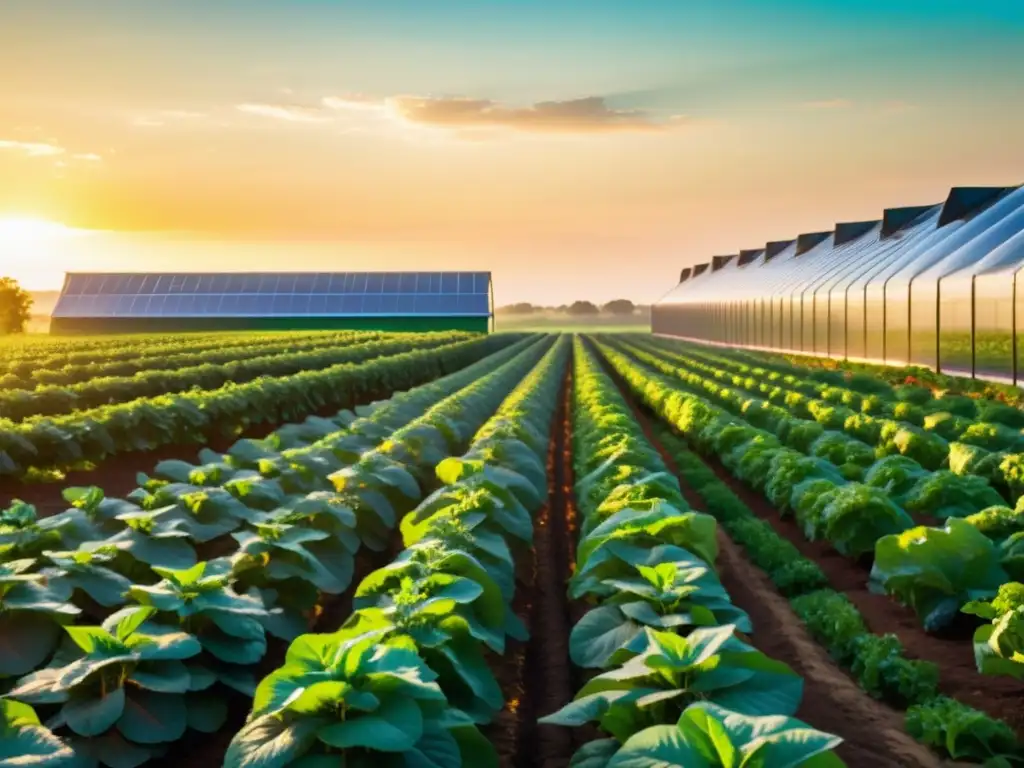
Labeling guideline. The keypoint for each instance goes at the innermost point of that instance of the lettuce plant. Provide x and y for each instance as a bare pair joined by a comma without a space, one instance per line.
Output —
669,596
856,516
999,645
945,494
935,571
962,732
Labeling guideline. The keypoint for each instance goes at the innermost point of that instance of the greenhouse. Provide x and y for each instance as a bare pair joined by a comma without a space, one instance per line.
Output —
388,301
934,285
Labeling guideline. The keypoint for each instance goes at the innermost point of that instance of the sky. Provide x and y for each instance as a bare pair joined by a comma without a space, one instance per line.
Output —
575,148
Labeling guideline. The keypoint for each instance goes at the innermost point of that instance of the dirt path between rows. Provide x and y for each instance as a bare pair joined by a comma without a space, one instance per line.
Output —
536,676
872,732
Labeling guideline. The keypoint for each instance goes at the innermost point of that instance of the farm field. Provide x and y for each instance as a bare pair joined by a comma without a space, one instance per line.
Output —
519,550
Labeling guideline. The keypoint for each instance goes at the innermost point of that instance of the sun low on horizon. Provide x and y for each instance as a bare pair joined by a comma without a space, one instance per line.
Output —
36,251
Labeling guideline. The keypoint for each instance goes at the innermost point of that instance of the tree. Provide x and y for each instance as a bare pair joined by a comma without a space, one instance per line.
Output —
522,308
15,306
619,307
583,308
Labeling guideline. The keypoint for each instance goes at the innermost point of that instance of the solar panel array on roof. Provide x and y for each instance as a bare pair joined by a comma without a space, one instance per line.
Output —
278,294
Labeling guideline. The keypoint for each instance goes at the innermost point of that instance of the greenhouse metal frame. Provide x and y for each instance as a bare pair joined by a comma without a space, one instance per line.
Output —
933,285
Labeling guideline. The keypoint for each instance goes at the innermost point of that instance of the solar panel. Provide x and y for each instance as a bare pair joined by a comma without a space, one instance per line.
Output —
323,294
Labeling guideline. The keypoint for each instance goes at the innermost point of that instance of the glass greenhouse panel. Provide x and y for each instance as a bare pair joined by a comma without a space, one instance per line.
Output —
994,324
955,317
924,330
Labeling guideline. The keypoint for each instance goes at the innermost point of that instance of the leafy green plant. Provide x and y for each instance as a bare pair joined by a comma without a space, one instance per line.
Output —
360,699
668,596
856,516
935,571
962,732
710,736
661,673
122,679
31,616
999,645
452,578
90,572
945,494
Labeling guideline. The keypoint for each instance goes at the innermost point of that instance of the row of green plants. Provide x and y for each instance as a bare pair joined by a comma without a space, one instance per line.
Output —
936,571
260,346
886,380
121,692
678,683
19,362
961,434
17,405
877,662
988,562
406,680
90,436
873,455
915,374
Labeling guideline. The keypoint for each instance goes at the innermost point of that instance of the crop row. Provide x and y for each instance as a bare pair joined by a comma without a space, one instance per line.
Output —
406,681
938,434
229,350
17,405
193,417
22,360
194,630
936,571
679,684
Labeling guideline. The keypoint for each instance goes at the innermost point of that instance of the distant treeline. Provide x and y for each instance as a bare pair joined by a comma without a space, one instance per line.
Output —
618,307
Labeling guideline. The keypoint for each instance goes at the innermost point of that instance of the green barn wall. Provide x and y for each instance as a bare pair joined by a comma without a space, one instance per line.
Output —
110,325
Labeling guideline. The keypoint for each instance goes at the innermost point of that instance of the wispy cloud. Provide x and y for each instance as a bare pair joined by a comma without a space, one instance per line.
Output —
586,115
32,148
463,115
89,157
287,112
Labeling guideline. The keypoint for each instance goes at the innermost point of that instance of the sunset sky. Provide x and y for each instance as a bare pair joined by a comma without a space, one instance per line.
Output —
576,148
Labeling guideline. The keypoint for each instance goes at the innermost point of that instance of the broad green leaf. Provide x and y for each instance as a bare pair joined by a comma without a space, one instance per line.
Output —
153,718
395,726
92,716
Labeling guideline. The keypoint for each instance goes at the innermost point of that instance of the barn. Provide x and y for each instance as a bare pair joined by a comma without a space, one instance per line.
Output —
99,303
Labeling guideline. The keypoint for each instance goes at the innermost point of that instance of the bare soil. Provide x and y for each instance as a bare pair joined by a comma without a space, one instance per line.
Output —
536,676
